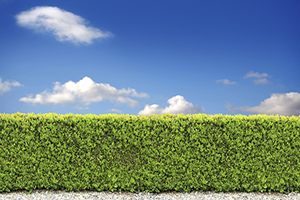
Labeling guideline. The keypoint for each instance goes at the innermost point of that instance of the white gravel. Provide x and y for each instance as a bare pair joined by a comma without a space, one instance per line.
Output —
195,195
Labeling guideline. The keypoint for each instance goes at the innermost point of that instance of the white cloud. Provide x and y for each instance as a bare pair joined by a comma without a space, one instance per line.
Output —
64,25
287,104
257,75
6,86
84,91
226,82
115,110
80,108
178,105
261,81
250,74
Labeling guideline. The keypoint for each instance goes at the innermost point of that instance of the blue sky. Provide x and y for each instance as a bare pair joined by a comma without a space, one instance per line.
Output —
150,57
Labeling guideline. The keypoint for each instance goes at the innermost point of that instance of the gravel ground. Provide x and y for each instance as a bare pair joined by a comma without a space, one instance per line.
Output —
195,195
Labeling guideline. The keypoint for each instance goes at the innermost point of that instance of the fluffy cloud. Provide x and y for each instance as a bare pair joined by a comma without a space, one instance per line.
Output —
64,25
178,105
85,91
287,104
6,86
